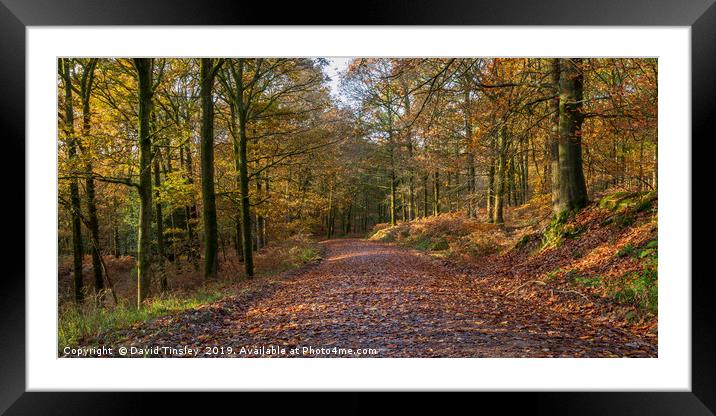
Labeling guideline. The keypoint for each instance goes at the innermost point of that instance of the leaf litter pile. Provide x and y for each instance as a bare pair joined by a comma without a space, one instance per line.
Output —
401,302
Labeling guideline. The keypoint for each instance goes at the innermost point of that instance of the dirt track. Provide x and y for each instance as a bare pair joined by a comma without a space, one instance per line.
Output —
398,302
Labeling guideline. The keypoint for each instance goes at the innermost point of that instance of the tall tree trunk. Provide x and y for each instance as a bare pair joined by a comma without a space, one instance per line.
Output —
238,244
393,184
554,73
191,211
411,175
498,217
208,195
259,217
117,249
510,182
264,225
77,249
436,192
331,221
490,204
425,195
160,222
449,192
329,231
471,185
403,207
524,171
233,130
144,72
93,225
245,203
642,179
170,243
92,221
393,205
347,228
241,109
393,177
573,190
470,160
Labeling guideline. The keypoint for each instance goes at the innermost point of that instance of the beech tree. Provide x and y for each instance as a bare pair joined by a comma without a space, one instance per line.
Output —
208,72
254,91
572,188
86,84
144,74
554,136
65,67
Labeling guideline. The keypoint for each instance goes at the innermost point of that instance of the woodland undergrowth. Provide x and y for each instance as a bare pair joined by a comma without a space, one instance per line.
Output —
600,261
99,314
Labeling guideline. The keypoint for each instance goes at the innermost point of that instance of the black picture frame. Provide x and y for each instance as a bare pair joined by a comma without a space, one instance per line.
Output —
15,15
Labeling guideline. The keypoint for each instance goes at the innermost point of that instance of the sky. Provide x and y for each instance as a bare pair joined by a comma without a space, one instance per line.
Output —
334,69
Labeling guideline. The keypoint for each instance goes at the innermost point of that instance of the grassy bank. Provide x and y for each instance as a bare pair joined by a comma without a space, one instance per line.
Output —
78,324
604,256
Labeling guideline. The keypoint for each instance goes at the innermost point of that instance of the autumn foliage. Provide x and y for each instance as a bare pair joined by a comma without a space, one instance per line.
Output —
533,178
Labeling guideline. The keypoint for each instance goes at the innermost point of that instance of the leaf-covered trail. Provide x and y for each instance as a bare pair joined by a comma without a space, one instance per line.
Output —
397,301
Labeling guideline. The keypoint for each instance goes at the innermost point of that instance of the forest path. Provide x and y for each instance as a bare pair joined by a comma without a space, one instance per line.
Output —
396,301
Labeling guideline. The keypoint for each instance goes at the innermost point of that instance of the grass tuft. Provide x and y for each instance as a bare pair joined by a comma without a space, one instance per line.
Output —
80,323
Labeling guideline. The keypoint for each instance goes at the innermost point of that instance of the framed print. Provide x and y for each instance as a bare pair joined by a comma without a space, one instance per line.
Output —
486,197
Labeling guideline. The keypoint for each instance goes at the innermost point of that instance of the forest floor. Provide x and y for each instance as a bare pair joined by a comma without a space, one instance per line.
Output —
384,300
